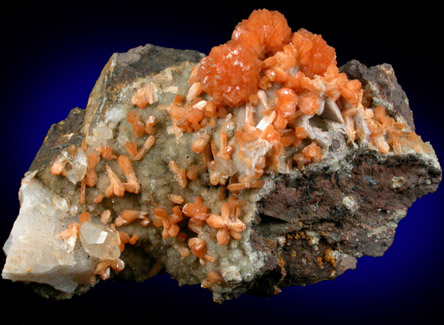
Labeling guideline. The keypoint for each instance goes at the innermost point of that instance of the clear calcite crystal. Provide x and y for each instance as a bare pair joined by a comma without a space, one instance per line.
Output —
99,241
78,170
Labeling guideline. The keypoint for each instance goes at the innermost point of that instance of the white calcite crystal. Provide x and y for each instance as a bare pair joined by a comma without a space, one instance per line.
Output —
34,250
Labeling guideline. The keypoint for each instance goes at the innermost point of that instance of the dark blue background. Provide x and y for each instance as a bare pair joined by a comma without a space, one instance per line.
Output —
50,60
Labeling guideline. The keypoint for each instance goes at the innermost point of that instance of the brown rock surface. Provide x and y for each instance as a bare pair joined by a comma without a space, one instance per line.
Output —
353,211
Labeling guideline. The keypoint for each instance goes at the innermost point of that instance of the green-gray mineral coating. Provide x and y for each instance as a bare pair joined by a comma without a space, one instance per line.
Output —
157,181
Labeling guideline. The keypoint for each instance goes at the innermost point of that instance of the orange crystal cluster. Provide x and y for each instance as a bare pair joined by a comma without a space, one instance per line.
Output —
235,70
265,54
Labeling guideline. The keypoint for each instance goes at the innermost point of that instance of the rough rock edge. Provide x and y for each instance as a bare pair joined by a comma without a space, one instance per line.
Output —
381,81
314,203
121,70
273,234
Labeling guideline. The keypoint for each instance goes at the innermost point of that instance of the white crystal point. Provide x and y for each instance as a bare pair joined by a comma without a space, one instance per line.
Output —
34,250
100,241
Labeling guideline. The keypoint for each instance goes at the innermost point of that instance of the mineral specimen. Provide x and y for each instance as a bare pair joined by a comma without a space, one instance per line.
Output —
260,166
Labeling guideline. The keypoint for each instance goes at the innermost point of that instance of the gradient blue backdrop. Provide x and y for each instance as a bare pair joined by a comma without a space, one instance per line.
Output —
50,60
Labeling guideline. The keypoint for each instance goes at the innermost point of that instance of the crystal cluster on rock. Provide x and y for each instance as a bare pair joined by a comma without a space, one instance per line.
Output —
260,166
